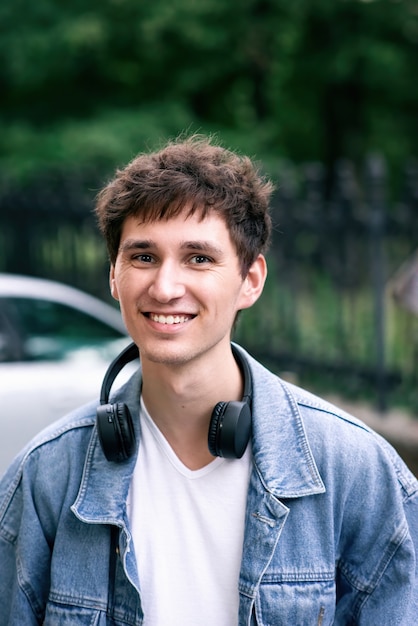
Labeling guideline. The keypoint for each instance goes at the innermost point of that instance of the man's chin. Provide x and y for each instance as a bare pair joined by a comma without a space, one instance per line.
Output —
169,357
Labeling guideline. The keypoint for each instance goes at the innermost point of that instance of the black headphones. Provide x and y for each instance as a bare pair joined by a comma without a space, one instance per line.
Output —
229,428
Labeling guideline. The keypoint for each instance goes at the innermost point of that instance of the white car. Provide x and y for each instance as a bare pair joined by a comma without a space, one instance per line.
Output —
56,343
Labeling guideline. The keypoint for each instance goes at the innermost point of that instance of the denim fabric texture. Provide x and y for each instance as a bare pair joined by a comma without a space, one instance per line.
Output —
331,531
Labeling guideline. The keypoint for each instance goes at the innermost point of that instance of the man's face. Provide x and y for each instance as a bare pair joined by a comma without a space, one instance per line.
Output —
179,286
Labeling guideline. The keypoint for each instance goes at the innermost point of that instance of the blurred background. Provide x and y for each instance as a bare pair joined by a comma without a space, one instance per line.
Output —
323,93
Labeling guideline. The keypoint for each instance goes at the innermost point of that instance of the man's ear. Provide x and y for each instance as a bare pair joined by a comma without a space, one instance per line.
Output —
112,283
253,284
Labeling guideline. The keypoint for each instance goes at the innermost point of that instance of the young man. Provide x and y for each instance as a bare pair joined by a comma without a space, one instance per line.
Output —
125,516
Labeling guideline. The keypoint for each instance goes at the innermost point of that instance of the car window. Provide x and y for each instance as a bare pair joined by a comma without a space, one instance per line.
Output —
36,329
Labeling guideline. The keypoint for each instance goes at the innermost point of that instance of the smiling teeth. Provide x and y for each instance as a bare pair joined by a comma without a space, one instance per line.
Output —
168,319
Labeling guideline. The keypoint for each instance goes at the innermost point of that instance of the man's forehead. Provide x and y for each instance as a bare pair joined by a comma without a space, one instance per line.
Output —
190,220
185,230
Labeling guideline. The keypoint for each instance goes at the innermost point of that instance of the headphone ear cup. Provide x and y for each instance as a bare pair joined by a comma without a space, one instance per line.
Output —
229,429
215,428
116,431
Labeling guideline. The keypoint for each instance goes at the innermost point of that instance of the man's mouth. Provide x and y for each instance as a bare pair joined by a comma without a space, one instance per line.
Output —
170,319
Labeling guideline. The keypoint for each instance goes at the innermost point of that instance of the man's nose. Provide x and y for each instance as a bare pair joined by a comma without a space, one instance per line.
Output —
167,283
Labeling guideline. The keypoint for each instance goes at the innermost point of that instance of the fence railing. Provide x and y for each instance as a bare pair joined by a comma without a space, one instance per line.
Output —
328,314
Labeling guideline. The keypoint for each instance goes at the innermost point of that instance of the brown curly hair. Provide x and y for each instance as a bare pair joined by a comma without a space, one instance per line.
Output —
197,174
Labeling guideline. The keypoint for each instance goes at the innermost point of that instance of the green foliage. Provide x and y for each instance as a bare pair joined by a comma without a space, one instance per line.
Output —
100,143
305,79
321,334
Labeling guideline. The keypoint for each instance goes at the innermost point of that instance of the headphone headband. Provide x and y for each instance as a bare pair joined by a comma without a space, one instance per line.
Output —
130,353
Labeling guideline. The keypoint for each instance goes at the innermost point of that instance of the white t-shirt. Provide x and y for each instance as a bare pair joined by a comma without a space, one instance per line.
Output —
188,529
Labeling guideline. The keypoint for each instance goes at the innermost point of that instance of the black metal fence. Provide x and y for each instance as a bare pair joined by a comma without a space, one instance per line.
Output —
47,229
328,314
336,255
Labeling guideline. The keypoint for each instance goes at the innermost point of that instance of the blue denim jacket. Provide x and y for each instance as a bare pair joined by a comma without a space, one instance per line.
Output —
331,531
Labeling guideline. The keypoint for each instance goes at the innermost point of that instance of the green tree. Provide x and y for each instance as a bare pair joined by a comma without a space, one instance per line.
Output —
308,79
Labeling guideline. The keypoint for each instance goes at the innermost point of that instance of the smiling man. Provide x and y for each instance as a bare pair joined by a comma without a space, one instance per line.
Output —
206,491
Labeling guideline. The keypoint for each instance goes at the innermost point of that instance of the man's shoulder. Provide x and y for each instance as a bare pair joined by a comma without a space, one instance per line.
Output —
47,472
339,441
334,432
312,404
74,422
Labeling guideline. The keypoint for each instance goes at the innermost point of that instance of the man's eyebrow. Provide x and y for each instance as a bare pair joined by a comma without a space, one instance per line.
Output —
136,244
149,244
201,246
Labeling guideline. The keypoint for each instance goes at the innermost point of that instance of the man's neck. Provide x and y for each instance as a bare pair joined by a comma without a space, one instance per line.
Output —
180,400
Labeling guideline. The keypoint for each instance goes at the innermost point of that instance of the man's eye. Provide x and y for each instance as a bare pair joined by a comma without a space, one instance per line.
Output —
144,258
199,259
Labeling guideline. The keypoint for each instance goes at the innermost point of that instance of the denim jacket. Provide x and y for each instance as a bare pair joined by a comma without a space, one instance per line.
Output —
331,532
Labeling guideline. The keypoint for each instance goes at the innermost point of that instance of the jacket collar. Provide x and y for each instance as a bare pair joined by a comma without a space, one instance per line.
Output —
281,452
104,487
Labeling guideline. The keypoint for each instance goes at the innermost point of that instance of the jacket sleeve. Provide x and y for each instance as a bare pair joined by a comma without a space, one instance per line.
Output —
24,554
411,510
394,600
384,587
